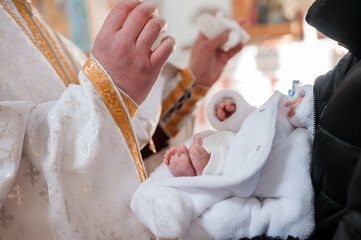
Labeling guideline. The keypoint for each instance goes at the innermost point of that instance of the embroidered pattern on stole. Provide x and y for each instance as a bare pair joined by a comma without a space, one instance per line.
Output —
40,42
180,102
116,107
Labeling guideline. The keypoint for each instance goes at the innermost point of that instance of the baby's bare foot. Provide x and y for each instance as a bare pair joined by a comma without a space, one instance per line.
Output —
169,154
179,162
198,154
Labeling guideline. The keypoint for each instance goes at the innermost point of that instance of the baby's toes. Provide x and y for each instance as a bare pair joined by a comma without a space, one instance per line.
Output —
169,154
197,139
181,166
183,150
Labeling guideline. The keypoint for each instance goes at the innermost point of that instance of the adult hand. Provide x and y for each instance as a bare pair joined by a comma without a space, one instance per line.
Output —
123,47
208,59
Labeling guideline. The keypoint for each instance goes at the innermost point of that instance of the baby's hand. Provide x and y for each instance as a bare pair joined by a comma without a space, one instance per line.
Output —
294,103
225,109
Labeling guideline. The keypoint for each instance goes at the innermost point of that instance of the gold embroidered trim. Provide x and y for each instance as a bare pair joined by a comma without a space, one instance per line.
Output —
70,57
73,65
64,62
131,106
17,20
173,97
171,128
40,42
116,107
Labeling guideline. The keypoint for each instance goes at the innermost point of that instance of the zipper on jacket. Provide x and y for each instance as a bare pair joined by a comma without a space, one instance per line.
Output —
315,108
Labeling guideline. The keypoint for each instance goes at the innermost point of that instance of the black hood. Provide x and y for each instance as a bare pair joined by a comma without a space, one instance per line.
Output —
339,20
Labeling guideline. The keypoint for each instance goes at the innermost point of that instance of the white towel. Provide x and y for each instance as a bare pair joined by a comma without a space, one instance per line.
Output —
211,26
263,189
234,122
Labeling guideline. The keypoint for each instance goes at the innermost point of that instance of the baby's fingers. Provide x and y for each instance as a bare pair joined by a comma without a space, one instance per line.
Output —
291,102
230,106
291,112
221,114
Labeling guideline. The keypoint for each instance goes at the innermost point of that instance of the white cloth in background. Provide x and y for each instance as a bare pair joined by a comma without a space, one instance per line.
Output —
212,26
265,186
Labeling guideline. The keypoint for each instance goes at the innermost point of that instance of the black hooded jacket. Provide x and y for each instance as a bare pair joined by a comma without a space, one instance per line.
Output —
336,162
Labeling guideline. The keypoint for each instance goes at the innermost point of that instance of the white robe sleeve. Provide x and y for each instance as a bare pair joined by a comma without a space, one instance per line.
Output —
84,147
13,119
147,117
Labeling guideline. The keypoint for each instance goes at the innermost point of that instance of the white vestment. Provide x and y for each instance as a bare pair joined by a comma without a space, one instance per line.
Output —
257,181
68,167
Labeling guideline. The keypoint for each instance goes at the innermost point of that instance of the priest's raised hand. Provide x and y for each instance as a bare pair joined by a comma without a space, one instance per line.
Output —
124,47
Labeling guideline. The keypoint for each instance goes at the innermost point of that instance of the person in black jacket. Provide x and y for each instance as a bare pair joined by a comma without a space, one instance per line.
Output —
337,142
336,160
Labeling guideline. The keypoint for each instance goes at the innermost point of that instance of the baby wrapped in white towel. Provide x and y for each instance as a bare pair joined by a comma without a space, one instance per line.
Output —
261,187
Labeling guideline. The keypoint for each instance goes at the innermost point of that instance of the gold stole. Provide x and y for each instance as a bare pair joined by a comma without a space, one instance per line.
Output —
170,117
43,40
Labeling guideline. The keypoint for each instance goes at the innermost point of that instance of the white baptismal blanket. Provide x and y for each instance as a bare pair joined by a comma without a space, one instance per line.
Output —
265,188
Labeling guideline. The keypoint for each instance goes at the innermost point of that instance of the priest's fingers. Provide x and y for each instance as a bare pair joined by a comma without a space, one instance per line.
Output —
225,56
241,21
161,54
117,16
137,19
134,70
201,37
218,41
150,33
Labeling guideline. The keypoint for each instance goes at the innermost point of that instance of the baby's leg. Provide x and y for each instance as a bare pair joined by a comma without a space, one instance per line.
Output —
179,162
198,154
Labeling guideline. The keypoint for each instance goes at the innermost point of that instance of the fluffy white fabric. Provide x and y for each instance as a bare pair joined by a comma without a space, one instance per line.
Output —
265,187
211,26
234,122
217,144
